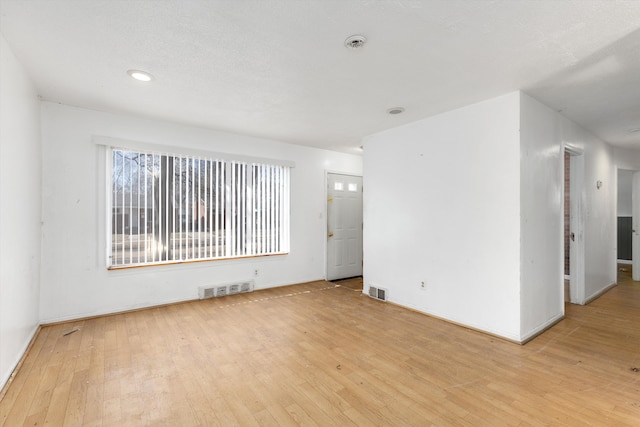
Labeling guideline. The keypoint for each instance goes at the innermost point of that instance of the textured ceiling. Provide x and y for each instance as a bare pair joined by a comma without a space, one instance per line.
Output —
278,68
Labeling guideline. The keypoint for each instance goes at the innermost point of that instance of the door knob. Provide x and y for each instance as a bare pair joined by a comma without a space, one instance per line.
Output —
330,234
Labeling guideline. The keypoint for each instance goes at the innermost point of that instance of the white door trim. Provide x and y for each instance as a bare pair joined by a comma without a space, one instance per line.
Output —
635,225
577,250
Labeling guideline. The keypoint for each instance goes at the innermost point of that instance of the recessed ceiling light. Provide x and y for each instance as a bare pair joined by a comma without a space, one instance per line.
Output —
356,41
142,76
395,110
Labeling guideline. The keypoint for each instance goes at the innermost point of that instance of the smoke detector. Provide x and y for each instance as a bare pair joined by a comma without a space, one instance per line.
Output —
355,42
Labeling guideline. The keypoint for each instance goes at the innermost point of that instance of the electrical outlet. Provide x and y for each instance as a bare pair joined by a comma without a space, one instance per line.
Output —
255,272
423,285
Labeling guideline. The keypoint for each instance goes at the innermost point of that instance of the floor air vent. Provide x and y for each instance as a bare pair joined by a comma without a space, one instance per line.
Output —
215,291
378,293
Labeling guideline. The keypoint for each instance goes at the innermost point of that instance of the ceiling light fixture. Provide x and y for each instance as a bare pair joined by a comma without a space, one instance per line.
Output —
141,76
395,110
355,41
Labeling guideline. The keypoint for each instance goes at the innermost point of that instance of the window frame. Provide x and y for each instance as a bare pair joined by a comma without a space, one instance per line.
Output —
246,164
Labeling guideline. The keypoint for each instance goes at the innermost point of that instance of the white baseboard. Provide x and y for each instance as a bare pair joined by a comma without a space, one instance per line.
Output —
599,293
541,328
624,261
7,377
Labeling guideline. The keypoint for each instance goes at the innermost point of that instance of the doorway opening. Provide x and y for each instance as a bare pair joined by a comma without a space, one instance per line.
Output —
573,289
344,226
567,225
625,222
635,230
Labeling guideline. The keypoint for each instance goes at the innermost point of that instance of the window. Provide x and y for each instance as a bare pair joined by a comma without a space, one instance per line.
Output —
167,208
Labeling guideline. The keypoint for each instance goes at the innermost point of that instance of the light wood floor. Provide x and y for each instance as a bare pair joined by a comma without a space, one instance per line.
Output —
321,354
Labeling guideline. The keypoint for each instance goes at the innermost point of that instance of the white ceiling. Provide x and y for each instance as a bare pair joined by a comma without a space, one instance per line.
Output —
279,69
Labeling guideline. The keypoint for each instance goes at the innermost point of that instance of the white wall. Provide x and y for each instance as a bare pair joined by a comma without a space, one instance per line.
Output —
470,201
627,159
545,133
20,186
541,222
625,186
75,282
442,204
599,208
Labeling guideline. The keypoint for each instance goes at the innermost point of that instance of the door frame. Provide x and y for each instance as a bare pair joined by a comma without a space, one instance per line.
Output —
635,238
576,247
326,215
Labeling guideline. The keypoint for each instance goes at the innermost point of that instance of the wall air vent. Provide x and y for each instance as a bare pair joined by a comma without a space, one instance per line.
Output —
206,293
378,293
214,291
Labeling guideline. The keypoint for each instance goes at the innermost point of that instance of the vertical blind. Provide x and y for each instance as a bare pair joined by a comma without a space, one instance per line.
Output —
168,208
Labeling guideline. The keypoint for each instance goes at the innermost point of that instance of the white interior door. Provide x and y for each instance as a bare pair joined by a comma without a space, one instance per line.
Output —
635,227
344,226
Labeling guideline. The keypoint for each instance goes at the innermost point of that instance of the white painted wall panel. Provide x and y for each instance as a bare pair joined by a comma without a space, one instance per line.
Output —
541,221
75,281
624,192
544,136
470,202
442,205
627,159
20,185
600,213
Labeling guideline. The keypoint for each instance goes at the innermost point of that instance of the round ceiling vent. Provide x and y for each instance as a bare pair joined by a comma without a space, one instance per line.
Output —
395,110
356,41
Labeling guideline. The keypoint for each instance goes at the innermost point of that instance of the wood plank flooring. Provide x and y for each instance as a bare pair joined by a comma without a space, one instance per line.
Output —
323,354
